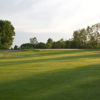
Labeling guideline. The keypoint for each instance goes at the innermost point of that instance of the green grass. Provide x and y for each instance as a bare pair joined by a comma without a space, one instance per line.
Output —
50,75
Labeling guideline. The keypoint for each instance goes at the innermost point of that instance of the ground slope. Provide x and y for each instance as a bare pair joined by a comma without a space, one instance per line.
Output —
50,75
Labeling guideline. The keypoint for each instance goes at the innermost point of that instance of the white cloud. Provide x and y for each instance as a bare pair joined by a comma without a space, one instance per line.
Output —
47,16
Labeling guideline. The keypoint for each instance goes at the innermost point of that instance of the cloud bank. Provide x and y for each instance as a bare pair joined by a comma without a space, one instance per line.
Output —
45,16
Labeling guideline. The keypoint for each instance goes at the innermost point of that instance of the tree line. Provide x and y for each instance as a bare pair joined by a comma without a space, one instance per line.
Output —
86,38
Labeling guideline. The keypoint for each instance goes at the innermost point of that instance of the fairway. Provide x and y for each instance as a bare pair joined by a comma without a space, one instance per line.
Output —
50,74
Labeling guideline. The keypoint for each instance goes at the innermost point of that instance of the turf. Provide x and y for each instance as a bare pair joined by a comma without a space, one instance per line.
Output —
71,74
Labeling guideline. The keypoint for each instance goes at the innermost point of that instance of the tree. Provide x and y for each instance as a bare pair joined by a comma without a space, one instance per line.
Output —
33,41
69,44
6,34
80,38
94,36
87,38
27,46
40,45
55,45
49,43
16,47
59,44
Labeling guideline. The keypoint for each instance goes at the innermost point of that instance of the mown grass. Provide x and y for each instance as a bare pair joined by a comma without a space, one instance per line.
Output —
50,75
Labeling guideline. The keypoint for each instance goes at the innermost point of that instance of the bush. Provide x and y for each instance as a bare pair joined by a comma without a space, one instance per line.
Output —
27,46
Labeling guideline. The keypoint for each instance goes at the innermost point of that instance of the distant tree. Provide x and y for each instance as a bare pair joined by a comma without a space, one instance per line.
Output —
6,34
33,41
16,47
27,46
87,38
40,45
76,38
69,44
59,44
80,38
12,49
94,36
55,45
49,43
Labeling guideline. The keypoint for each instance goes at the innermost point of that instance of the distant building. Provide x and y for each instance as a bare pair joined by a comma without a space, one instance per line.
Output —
33,40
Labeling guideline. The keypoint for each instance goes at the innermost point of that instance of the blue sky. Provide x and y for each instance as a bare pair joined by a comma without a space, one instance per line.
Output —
48,18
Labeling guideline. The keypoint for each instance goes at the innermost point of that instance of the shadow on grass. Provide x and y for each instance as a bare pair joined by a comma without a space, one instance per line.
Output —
65,58
49,53
68,84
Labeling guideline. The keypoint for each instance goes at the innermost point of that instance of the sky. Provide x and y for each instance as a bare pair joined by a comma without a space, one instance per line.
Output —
45,19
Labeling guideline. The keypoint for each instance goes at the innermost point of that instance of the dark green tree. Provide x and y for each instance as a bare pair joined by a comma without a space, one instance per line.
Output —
59,44
27,46
49,43
80,38
69,44
16,47
40,45
94,36
6,34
